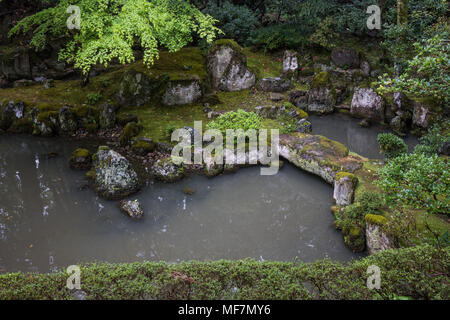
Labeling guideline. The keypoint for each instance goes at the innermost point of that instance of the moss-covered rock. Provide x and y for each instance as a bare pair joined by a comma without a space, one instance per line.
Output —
107,118
80,160
124,118
23,125
227,67
377,239
132,209
375,219
115,177
354,238
344,188
10,112
167,171
318,155
130,131
143,147
322,94
67,121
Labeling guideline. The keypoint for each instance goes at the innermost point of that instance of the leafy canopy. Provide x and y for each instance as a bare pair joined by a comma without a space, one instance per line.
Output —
111,28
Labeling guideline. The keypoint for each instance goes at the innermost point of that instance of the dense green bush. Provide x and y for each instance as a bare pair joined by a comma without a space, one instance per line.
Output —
235,120
437,136
237,22
426,75
417,180
416,273
391,145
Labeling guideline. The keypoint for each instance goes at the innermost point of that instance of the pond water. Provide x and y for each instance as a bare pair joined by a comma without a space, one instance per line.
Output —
49,221
342,128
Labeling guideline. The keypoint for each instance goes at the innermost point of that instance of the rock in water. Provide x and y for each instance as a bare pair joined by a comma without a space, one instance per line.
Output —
227,67
167,171
80,160
304,126
113,175
132,208
366,103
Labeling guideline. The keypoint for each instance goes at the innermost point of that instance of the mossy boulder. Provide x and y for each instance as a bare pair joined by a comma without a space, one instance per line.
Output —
354,238
304,126
114,177
124,118
107,118
132,209
130,131
167,171
137,88
80,160
67,121
12,111
23,125
227,67
318,155
344,188
322,94
274,84
143,146
377,239
425,113
182,92
367,104
45,122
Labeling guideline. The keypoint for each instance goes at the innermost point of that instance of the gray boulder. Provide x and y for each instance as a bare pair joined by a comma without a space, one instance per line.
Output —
344,188
12,111
227,67
182,92
367,104
112,175
138,89
67,121
107,117
132,209
167,171
345,57
423,116
304,126
321,95
274,85
290,63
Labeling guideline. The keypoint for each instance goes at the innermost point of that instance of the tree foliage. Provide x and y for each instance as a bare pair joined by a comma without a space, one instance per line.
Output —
110,29
417,180
427,74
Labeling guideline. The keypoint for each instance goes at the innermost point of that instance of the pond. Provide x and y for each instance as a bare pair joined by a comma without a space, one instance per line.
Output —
363,141
49,220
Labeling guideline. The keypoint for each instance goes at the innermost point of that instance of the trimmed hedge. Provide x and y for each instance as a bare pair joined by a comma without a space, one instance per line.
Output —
418,273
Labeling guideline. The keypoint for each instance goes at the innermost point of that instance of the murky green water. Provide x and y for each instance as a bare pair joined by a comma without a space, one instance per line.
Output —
347,130
48,222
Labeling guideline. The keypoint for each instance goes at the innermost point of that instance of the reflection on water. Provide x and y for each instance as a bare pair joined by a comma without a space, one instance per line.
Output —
347,130
48,221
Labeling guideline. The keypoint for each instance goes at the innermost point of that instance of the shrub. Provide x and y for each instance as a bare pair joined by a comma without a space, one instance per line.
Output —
93,98
417,180
437,135
235,120
391,145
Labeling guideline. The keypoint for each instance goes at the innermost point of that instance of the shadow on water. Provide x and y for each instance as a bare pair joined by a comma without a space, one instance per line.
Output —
47,221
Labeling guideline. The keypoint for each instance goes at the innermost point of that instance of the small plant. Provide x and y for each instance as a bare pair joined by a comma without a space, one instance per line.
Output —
437,135
170,128
93,98
391,145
